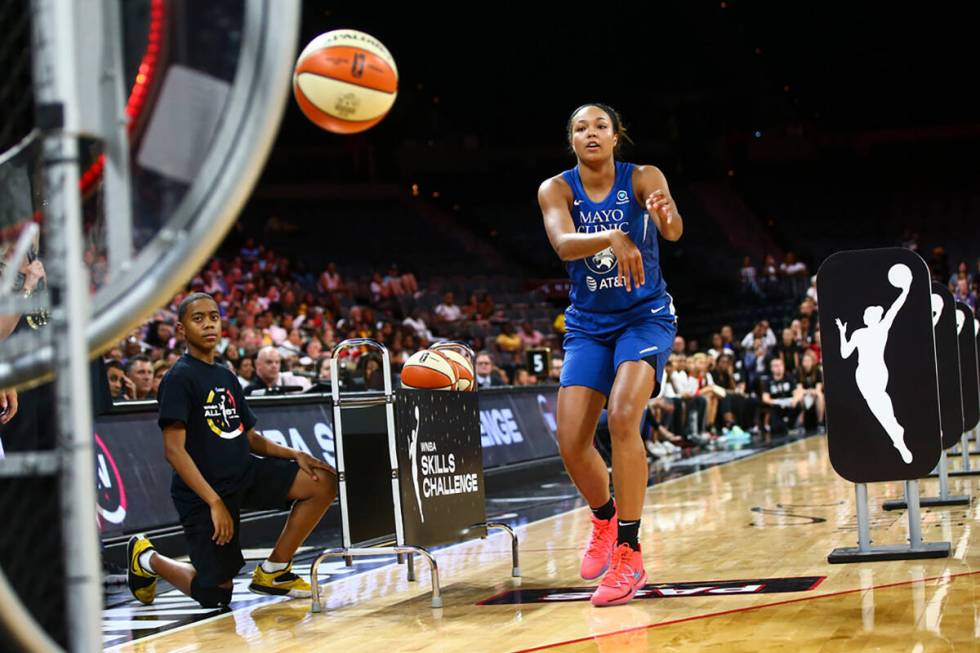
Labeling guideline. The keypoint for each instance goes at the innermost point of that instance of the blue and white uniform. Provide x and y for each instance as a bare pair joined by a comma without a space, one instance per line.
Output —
605,325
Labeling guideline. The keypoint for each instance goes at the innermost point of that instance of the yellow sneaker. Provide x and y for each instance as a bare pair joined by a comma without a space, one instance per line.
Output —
279,583
142,582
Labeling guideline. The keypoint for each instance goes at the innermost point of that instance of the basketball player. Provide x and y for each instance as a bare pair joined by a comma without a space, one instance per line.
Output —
602,218
209,440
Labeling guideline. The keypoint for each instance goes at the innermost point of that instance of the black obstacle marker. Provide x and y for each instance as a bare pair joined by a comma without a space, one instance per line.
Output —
881,384
966,327
950,395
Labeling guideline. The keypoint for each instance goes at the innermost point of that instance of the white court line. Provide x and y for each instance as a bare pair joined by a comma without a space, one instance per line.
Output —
136,624
142,640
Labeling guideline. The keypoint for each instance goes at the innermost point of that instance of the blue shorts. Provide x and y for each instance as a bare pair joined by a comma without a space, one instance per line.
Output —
592,356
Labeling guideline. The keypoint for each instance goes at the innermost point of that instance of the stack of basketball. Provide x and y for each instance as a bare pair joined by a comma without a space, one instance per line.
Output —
438,368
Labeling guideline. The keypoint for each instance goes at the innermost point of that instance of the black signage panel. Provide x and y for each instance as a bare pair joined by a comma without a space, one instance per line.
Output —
879,360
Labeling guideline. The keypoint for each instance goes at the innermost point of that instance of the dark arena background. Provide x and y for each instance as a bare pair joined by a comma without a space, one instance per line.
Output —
821,159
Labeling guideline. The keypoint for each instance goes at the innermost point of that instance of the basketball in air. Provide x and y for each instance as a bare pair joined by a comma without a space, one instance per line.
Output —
462,366
345,81
428,370
900,276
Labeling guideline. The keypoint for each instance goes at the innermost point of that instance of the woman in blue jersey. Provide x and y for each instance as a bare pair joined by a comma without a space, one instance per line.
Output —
602,218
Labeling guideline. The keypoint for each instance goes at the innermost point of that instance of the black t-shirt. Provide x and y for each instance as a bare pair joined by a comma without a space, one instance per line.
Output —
810,381
208,399
781,389
788,353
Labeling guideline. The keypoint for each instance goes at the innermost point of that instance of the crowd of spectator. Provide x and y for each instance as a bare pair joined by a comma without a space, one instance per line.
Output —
281,322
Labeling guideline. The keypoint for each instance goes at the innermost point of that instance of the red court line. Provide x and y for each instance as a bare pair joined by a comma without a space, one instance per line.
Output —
736,610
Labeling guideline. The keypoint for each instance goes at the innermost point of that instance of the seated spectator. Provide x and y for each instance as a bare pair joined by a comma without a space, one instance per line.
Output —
554,374
530,337
417,324
770,277
521,376
487,308
788,351
246,371
962,272
679,346
794,274
707,388
810,391
736,408
755,364
485,376
717,346
448,311
393,282
121,387
728,340
379,289
965,294
782,401
330,280
471,309
369,367
140,372
159,371
268,378
509,345
747,277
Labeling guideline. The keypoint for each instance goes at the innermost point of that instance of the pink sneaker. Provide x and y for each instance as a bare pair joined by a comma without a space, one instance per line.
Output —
601,545
625,576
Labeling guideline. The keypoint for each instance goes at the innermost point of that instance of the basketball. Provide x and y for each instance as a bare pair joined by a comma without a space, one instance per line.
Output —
900,276
462,366
428,370
345,81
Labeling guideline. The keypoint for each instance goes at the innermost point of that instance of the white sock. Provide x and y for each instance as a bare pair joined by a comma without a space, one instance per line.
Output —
270,567
144,561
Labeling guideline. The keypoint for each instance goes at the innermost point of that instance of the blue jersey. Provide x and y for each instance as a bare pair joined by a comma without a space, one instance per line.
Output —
598,297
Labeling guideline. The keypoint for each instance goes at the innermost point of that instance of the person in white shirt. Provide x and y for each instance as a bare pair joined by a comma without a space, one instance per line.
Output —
448,311
267,374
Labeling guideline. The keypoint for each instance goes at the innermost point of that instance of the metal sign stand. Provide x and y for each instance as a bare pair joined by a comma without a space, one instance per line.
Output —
963,450
404,552
944,498
865,552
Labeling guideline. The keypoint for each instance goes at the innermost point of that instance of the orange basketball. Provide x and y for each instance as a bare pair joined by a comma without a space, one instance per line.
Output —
461,364
428,370
345,81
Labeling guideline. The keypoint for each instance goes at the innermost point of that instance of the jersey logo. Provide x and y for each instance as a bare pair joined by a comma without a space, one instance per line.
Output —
601,262
591,283
622,197
221,414
654,348
576,202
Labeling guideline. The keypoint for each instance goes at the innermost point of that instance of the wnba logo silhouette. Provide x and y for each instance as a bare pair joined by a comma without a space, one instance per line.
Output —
413,455
869,342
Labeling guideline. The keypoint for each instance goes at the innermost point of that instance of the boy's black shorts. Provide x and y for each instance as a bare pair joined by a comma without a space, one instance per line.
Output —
267,488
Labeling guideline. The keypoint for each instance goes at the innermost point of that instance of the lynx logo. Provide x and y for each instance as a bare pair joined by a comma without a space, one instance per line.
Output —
109,485
622,197
662,590
591,283
601,262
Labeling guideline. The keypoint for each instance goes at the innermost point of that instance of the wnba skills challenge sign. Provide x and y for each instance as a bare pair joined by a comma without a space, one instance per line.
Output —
440,466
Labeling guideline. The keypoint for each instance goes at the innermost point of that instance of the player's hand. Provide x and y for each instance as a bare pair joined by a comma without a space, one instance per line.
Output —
224,527
841,325
628,258
660,205
129,393
8,405
309,464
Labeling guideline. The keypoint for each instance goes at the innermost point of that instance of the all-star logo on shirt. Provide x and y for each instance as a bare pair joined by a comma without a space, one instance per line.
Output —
221,414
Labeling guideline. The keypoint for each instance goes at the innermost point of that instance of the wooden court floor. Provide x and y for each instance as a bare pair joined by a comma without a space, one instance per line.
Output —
774,515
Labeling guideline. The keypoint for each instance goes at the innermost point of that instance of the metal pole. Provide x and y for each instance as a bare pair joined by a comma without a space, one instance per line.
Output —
864,536
915,519
965,446
943,476
56,97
